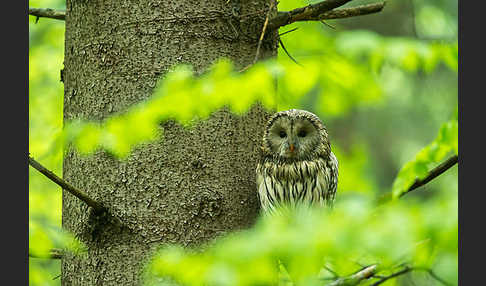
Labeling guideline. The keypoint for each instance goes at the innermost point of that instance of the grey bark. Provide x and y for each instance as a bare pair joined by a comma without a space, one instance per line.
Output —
189,187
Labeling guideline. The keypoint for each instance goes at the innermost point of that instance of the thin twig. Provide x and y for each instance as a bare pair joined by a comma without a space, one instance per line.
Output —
327,24
334,274
53,254
263,32
285,50
433,275
261,38
355,278
286,32
401,272
66,186
323,11
48,13
407,269
370,272
446,165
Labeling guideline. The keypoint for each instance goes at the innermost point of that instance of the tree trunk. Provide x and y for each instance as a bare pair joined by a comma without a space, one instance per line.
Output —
189,187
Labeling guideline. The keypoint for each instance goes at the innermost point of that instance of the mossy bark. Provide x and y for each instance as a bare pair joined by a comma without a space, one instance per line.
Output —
188,187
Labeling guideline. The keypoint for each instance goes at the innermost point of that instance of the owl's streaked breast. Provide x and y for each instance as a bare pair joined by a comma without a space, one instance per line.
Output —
301,182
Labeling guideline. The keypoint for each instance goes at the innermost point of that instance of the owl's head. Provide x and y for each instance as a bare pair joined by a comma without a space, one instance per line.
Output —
295,135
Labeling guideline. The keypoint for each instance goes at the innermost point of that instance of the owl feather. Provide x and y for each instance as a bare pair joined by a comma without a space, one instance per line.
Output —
297,166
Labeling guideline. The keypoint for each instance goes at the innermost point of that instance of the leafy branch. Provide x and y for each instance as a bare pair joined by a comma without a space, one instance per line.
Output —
444,166
415,173
419,182
98,207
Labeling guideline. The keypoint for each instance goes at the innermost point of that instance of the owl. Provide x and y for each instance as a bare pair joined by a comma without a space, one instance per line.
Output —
297,166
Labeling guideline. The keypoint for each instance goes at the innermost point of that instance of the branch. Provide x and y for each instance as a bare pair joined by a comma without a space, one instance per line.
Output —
407,269
301,14
48,13
352,12
315,12
444,166
370,272
53,254
66,186
401,272
355,278
322,11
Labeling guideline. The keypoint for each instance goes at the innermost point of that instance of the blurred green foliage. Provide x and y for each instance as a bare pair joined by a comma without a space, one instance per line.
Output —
337,82
383,93
354,233
183,97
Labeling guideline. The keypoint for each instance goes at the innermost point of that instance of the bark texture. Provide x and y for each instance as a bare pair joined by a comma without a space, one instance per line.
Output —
189,187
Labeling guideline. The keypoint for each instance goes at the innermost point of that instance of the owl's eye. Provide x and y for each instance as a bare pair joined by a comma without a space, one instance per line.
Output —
302,133
282,134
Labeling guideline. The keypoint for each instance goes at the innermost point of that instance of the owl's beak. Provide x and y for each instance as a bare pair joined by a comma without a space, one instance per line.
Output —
291,147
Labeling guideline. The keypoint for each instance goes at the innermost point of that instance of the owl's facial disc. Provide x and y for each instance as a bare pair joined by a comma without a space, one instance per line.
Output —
293,138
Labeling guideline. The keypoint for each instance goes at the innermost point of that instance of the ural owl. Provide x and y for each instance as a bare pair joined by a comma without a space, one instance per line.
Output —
297,166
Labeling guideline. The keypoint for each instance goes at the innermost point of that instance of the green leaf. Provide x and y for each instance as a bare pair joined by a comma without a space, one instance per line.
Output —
433,154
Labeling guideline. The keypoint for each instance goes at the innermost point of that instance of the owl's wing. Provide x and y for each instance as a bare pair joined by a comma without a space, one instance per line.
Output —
268,190
261,187
333,179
